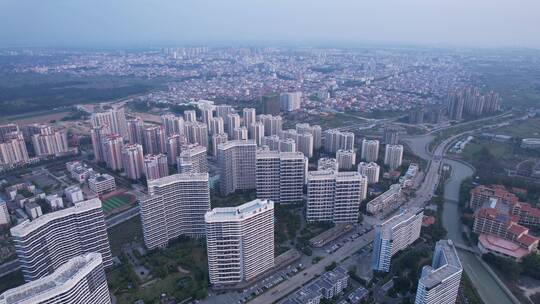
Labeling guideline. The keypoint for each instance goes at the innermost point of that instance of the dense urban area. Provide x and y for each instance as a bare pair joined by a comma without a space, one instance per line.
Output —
270,175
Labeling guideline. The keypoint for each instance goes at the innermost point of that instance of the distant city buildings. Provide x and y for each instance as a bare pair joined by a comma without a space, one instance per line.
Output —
175,206
290,101
394,235
337,140
439,283
240,242
271,103
391,135
334,196
47,242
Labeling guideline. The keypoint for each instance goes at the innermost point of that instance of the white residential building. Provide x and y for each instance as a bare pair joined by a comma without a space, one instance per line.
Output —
74,194
79,280
439,283
193,159
175,206
249,117
114,118
172,124
346,159
290,101
5,219
240,242
101,183
394,235
237,165
393,156
325,163
233,122
133,160
155,166
47,242
370,150
240,133
272,124
315,130
335,140
256,132
280,176
385,200
334,196
218,139
370,170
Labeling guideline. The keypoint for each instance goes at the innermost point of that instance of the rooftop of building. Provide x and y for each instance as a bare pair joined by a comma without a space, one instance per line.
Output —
46,287
451,266
28,226
179,177
502,246
226,214
405,216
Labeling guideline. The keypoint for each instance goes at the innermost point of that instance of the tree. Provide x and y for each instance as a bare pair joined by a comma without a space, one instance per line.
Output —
531,265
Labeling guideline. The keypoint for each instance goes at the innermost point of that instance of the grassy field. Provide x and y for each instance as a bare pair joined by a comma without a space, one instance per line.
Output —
497,149
126,232
522,128
115,202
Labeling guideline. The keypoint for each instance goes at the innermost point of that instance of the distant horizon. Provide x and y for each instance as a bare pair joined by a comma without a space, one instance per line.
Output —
482,24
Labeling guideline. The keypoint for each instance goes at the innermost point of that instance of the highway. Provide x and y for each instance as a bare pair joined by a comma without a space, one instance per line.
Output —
306,275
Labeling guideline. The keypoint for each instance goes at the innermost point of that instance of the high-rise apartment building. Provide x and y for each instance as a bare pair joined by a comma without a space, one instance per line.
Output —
439,283
97,134
174,144
45,243
304,144
223,111
337,140
218,139
197,133
216,126
135,130
370,150
193,159
249,117
456,101
240,133
190,116
315,131
290,101
112,151
370,170
394,235
334,196
272,124
391,135
393,156
133,160
271,103
81,279
240,242
346,159
256,132
237,165
154,140
13,149
50,142
233,122
7,129
172,124
280,176
155,166
115,118
175,206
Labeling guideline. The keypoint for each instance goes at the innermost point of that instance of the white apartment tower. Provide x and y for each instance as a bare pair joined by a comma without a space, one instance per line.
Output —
393,156
175,206
79,280
174,144
249,117
51,142
334,196
233,122
290,101
115,118
190,116
280,176
97,134
197,133
394,235
304,144
217,139
315,131
216,126
240,133
370,170
346,159
335,140
193,159
13,149
256,132
439,283
272,124
370,150
237,165
47,242
154,140
240,242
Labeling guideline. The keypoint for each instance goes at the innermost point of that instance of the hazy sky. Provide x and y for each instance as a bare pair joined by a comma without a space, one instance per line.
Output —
483,23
